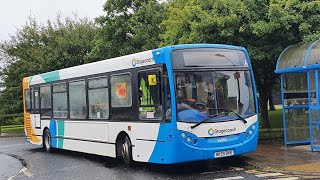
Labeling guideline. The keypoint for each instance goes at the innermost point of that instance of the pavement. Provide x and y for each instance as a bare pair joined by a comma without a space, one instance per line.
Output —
274,157
8,166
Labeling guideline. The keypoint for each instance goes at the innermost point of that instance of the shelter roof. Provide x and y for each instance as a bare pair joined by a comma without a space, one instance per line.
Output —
299,57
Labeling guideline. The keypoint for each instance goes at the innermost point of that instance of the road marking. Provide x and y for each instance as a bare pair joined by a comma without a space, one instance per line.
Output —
230,178
289,178
23,170
269,174
262,174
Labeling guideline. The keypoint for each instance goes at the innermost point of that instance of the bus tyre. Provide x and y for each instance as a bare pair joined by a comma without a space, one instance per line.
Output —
47,141
126,152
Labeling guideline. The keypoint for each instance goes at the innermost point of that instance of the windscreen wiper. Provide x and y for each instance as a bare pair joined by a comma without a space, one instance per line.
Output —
225,110
196,125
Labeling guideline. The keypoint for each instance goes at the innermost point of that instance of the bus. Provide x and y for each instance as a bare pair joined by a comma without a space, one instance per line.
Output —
174,104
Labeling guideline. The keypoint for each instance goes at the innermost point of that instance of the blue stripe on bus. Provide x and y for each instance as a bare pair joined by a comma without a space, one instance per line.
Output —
158,154
53,133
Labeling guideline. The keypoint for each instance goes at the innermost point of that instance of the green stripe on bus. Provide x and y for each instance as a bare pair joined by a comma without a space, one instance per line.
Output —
30,79
50,76
60,133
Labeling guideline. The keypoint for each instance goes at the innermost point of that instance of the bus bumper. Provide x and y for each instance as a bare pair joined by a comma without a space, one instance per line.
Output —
178,149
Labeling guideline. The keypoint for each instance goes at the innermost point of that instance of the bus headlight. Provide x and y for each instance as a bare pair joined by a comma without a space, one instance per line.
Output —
188,138
183,135
253,127
250,132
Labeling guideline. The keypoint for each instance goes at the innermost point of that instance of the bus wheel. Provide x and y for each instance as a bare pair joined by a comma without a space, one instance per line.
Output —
47,141
126,152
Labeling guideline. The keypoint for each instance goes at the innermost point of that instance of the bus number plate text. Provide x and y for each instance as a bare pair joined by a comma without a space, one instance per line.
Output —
223,154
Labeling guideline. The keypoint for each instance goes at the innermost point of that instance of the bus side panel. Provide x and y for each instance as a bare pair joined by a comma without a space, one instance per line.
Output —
81,136
143,136
91,147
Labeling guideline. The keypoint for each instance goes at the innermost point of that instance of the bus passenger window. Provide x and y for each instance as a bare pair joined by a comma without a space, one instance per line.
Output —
36,108
98,98
150,106
77,100
45,99
121,91
60,105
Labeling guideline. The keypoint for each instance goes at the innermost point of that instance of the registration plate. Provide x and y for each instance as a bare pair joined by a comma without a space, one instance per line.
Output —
223,154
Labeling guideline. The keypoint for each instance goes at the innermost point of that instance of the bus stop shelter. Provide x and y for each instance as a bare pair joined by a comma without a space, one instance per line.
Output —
299,69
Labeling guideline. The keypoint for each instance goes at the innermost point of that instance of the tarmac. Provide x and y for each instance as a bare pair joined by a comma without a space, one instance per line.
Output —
275,157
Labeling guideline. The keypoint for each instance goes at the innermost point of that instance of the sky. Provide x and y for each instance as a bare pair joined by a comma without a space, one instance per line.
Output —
14,13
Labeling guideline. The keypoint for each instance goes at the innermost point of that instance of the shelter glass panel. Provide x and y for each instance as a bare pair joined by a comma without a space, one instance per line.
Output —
295,87
315,125
297,125
316,134
313,98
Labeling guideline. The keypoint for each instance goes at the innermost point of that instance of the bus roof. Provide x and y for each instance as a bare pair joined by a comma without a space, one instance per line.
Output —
124,62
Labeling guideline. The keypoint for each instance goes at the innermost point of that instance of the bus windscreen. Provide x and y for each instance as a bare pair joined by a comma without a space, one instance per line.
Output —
207,95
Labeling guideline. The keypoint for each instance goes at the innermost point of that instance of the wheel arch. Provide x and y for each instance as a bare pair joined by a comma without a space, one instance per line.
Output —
119,138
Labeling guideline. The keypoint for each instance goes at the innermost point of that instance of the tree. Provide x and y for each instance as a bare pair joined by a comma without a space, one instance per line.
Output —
129,26
40,48
283,23
264,27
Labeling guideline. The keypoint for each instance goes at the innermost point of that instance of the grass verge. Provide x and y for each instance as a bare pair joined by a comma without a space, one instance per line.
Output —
275,118
16,129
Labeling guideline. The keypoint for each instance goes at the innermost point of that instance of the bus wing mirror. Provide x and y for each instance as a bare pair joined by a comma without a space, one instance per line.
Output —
236,75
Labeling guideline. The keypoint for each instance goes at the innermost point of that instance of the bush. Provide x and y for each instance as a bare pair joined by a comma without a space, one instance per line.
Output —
271,134
13,120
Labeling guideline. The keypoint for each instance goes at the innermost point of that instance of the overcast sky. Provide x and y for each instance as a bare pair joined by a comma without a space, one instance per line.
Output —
14,13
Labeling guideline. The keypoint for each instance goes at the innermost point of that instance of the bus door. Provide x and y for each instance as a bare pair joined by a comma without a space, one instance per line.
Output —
36,107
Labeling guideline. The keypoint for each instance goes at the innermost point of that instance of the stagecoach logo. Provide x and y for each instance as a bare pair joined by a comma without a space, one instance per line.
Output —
213,131
140,62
